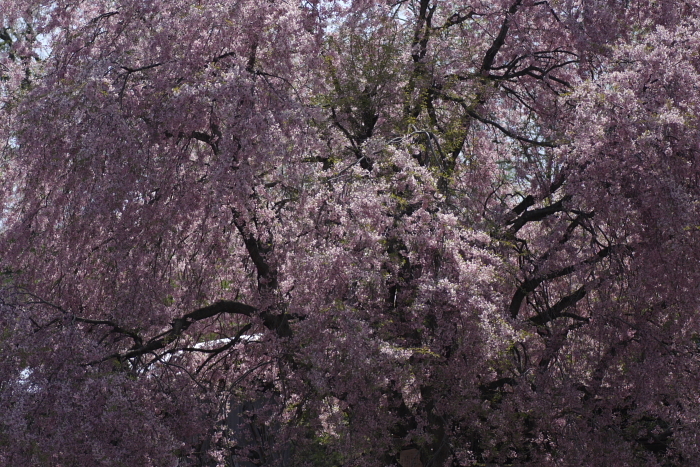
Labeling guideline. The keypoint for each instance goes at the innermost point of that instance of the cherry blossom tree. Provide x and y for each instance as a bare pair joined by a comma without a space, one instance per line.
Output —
325,233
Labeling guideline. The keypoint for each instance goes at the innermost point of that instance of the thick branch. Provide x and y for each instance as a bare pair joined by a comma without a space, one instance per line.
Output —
536,215
180,325
455,19
499,41
524,204
531,284
557,310
267,276
221,307
143,68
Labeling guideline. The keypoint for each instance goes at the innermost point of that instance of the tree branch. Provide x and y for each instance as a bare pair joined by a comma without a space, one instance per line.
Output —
499,41
179,326
556,311
536,215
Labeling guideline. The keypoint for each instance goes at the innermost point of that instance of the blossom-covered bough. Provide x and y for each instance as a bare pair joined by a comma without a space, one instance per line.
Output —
426,232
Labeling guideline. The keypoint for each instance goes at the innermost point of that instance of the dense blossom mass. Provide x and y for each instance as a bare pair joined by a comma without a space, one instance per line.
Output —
350,233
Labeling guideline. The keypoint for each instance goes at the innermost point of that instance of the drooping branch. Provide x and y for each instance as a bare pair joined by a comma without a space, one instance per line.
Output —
214,352
507,132
468,108
115,328
179,326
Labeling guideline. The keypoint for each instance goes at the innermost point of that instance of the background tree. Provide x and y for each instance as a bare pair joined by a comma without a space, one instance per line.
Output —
360,227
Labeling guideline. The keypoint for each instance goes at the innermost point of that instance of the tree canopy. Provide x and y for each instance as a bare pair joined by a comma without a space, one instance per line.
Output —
345,233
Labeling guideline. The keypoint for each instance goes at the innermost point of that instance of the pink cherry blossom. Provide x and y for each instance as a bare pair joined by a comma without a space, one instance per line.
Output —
349,233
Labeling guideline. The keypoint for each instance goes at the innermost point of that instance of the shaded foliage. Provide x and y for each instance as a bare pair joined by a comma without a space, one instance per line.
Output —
329,233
